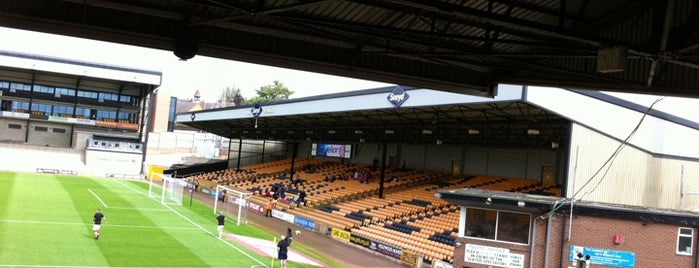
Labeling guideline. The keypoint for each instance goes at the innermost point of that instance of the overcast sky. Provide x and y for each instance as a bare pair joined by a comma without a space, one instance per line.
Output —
181,78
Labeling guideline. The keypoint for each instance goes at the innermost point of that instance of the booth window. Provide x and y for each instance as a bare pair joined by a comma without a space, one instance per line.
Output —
685,237
498,225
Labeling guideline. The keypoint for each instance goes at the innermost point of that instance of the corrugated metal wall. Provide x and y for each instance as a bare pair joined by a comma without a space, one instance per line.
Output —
633,177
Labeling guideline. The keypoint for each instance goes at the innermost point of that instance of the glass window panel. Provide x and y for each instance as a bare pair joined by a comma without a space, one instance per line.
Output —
684,241
513,227
481,223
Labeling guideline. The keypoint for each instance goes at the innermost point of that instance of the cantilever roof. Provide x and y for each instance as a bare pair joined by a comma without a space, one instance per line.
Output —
426,117
460,46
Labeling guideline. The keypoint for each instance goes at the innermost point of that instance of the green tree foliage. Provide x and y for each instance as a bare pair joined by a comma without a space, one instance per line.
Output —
271,93
232,94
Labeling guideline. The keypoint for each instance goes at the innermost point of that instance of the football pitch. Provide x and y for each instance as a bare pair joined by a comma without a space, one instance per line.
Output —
46,221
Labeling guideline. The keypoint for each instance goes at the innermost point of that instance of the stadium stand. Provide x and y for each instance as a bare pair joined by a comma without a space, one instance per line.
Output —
409,216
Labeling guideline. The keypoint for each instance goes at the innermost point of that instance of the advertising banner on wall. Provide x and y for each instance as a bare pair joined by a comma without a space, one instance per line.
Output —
283,215
255,207
303,222
386,249
604,257
340,234
358,240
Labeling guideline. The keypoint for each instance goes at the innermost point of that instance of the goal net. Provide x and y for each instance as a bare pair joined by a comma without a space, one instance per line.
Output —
171,191
232,202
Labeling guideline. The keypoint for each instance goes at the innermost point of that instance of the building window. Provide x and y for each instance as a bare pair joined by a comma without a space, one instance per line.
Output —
59,130
14,126
41,129
685,240
498,225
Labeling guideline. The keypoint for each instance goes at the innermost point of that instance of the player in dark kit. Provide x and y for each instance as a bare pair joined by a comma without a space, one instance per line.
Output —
221,221
97,220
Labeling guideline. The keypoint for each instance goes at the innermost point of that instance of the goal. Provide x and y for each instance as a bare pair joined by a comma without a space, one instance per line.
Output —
170,193
233,202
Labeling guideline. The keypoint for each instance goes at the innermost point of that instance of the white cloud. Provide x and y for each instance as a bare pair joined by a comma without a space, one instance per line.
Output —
181,78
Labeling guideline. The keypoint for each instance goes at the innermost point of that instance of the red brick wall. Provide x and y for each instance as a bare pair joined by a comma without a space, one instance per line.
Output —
654,244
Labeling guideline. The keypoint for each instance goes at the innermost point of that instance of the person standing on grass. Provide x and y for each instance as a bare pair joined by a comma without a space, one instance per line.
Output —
282,248
288,235
221,222
97,220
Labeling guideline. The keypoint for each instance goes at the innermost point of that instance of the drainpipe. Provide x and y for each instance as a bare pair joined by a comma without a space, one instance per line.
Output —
533,246
563,237
549,221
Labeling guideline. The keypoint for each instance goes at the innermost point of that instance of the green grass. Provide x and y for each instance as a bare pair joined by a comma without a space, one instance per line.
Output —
46,220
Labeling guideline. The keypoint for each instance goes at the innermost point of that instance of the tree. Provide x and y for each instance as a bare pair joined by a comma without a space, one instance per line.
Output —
231,94
271,93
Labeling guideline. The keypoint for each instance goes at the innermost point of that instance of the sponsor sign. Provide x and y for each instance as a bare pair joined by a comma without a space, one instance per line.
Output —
239,201
386,249
303,222
105,124
604,257
83,121
358,240
15,115
340,234
205,190
283,215
56,171
498,257
255,207
409,258
331,150
398,96
441,264
127,125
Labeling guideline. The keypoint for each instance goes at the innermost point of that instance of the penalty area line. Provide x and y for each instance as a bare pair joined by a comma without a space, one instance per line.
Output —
202,228
98,198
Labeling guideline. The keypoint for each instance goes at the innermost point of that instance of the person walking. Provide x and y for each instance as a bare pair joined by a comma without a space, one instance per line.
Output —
221,222
97,222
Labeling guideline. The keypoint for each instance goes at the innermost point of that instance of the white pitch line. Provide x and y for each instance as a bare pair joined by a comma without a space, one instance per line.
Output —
143,209
98,198
110,225
202,228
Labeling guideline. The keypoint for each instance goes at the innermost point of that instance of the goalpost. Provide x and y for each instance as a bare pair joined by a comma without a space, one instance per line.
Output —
235,198
171,191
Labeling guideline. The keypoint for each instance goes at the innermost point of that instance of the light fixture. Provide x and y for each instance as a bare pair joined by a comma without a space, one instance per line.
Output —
290,132
439,142
488,201
388,131
533,131
361,140
520,203
358,132
309,131
554,145
474,131
426,131
331,131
